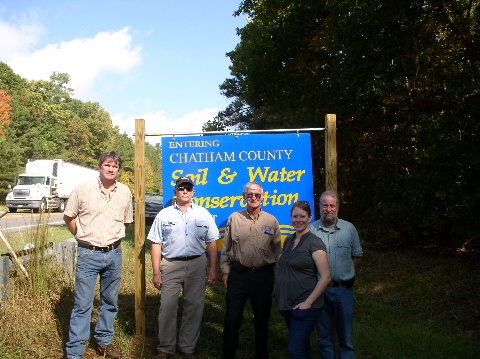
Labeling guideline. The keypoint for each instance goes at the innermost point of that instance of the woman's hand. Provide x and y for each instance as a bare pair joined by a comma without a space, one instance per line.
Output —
302,305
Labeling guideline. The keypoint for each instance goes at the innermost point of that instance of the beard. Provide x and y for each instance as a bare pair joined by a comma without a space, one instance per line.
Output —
329,220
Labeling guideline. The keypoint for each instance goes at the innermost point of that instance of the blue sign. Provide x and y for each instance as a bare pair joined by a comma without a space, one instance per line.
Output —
220,165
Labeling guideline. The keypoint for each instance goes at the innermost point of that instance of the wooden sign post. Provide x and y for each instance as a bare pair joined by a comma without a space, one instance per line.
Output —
139,195
331,152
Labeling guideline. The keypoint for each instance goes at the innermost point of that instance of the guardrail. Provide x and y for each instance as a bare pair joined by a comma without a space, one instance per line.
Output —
63,252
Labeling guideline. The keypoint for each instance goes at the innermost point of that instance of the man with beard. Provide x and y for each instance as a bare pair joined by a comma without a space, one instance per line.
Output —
344,253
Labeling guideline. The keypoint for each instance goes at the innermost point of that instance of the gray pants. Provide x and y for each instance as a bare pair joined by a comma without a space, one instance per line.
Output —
189,277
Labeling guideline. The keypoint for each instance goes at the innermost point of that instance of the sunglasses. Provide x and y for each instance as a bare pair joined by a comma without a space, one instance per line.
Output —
183,188
304,202
256,195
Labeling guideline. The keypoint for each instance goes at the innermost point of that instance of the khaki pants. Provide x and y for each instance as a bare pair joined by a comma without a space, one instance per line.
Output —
189,277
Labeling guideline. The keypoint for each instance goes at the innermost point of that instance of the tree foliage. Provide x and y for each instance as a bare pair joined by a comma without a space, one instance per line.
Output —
153,174
4,111
41,119
403,78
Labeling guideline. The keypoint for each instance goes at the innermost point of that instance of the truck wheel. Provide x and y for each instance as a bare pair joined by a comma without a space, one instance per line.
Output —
62,205
12,210
43,207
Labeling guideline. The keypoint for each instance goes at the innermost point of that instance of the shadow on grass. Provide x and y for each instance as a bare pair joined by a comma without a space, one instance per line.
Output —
63,308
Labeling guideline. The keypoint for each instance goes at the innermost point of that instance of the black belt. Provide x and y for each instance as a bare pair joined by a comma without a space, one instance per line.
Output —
108,248
343,283
237,266
186,258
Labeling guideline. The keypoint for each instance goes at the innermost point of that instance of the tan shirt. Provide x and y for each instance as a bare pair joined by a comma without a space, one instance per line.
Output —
100,216
252,242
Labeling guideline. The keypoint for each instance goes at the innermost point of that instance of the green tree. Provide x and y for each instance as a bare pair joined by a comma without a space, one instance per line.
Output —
124,146
46,122
10,82
403,79
98,124
10,162
154,157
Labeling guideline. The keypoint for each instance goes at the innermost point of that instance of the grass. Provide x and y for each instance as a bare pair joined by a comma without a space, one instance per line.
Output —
18,240
415,304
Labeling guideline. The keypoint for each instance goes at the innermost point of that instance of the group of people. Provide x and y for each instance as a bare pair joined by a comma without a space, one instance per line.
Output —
311,279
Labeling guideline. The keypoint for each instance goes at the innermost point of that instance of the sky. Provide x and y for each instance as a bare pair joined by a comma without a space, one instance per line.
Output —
159,60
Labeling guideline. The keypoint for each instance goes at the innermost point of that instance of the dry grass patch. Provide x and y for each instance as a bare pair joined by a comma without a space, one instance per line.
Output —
411,304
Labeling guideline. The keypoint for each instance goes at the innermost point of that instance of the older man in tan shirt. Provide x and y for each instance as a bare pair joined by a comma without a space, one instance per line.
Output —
250,251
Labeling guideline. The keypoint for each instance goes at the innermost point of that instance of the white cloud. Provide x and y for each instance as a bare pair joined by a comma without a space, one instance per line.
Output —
17,40
91,62
160,123
85,60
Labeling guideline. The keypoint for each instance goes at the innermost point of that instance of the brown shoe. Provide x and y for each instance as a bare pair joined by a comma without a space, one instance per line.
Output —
109,351
163,355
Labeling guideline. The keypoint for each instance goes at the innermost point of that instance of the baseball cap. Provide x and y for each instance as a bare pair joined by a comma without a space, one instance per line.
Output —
183,180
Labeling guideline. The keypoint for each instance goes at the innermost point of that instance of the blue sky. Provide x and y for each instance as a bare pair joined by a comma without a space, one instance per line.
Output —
158,60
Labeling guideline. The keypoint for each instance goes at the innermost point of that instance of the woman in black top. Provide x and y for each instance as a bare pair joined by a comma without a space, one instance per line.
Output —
298,288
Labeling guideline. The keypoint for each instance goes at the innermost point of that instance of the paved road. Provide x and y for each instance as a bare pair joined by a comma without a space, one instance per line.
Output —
22,220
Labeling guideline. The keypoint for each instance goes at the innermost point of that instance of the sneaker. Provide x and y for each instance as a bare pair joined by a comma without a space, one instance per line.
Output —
163,355
108,351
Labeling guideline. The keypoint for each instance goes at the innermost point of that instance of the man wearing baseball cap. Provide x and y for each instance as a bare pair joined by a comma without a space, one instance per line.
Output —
179,234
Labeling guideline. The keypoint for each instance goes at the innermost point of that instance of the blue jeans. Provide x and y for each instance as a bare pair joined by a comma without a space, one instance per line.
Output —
338,309
300,324
91,264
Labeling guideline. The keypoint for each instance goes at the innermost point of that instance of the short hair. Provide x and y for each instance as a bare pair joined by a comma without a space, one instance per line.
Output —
329,194
303,205
250,185
113,156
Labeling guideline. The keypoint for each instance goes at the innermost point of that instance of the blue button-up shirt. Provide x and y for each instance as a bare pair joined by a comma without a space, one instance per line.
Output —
183,235
342,244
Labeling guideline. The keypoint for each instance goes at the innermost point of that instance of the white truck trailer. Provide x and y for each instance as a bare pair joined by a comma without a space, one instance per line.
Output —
46,185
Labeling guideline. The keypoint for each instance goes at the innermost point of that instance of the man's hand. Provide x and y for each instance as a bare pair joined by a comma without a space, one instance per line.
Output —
225,279
157,280
71,224
212,276
156,255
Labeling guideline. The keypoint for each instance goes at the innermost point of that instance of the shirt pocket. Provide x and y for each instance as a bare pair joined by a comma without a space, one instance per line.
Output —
343,254
167,230
263,241
118,216
343,244
201,228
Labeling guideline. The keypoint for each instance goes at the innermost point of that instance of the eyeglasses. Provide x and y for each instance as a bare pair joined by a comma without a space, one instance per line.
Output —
256,195
183,188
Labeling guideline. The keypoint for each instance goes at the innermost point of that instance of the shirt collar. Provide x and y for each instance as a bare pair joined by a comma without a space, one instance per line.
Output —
100,184
322,226
247,215
176,206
